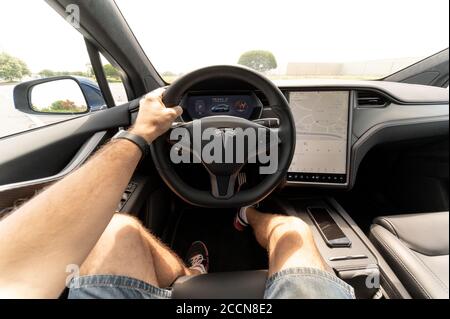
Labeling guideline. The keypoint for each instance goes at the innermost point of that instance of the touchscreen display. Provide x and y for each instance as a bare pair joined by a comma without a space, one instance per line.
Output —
321,120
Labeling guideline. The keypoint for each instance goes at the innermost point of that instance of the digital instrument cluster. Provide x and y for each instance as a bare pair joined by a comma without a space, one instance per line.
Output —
199,106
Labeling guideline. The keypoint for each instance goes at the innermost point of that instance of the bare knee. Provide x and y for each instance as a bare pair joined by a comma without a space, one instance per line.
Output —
281,226
121,225
123,232
121,250
291,244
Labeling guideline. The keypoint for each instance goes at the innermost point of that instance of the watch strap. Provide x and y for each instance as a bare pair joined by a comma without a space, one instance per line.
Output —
136,139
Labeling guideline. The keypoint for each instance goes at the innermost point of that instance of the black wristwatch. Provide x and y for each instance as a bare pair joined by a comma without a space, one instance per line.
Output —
136,139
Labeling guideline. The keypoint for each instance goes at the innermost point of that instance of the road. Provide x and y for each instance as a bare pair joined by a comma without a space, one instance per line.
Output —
13,121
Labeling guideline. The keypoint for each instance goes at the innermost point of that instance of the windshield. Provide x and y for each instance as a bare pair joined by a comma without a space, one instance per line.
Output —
287,39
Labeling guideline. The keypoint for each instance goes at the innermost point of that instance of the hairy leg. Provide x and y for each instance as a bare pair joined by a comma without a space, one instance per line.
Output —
126,248
168,265
288,240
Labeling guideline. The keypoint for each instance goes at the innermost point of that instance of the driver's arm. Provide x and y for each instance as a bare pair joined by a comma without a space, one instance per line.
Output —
60,226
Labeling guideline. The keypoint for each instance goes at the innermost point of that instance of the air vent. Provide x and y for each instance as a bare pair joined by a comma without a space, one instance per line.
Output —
371,99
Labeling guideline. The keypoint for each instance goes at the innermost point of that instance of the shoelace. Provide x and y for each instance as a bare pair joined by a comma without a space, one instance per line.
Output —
196,260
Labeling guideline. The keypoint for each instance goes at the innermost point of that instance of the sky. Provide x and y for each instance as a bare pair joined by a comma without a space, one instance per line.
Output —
34,32
181,35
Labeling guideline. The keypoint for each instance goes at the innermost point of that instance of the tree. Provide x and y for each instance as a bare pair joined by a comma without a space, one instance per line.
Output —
64,106
89,70
110,71
12,68
168,73
79,73
258,60
47,73
63,73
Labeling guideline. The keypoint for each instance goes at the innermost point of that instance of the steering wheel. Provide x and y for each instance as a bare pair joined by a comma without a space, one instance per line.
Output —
223,175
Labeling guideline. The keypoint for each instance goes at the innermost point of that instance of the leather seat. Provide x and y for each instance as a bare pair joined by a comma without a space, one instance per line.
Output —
416,247
226,285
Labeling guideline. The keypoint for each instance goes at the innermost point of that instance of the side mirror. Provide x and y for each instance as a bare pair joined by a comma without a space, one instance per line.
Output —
58,95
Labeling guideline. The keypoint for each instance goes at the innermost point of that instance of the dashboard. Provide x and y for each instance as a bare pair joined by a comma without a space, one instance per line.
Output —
337,122
379,112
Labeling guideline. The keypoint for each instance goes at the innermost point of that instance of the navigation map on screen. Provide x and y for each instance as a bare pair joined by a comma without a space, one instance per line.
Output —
321,120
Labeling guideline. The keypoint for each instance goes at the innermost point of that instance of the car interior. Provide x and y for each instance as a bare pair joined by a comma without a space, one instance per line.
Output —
378,206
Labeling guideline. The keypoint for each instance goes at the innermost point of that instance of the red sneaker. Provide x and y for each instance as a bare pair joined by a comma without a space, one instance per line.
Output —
240,220
197,257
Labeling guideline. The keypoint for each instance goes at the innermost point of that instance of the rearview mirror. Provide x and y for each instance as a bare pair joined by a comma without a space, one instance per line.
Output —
58,95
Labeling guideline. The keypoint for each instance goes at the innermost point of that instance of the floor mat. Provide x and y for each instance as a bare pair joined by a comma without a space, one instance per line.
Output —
229,249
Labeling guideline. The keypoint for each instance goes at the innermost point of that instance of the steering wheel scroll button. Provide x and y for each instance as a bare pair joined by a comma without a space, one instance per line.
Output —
269,122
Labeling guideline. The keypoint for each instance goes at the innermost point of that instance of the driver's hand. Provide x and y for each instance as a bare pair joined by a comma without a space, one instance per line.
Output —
154,118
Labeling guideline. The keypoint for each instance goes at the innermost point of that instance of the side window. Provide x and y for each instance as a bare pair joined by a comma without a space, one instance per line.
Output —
115,81
50,48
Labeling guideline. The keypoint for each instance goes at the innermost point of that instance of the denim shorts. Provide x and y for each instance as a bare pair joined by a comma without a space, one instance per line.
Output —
293,283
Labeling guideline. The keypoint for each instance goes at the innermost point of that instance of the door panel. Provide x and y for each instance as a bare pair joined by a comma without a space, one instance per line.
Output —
47,150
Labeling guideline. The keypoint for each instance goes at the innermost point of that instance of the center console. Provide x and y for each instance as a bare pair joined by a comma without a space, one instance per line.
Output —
341,243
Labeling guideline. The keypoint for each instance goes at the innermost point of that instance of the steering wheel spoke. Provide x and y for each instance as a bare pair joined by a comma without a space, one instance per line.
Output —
222,186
